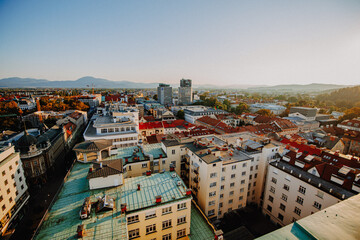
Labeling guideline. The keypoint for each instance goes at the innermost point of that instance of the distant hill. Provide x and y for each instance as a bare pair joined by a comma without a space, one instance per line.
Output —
84,82
313,87
345,97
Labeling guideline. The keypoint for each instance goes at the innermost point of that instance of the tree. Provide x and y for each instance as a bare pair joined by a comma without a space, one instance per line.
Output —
265,112
242,108
180,114
155,97
351,113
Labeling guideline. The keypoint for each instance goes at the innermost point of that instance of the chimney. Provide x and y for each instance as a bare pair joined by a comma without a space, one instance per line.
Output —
188,191
158,199
123,207
90,170
148,173
172,168
138,187
126,160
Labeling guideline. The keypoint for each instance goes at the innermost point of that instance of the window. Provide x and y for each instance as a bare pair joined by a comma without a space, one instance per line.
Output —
166,236
166,224
272,189
250,177
22,187
222,187
103,130
232,175
302,189
269,208
10,167
233,167
181,220
241,198
213,184
211,212
232,184
18,171
280,217
223,169
274,180
221,195
212,175
286,187
181,233
241,189
240,206
293,220
17,162
134,233
3,173
255,175
3,207
166,210
300,200
317,205
230,201
211,203
271,198
231,193
242,181
257,166
173,152
243,173
222,178
211,194
254,184
282,206
284,197
251,168
181,206
133,219
150,215
229,209
244,164
6,182
297,211
151,228
1,198
144,165
220,205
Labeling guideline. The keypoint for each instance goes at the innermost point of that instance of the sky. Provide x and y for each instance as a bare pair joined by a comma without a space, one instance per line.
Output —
211,42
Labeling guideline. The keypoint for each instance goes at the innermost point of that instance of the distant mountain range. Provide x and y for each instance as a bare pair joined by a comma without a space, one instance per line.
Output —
85,82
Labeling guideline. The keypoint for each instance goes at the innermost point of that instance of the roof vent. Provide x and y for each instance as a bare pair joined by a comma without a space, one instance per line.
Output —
173,175
178,183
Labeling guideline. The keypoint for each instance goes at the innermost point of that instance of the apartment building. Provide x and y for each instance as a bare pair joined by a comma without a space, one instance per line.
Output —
217,174
13,188
156,206
299,185
262,150
122,128
136,160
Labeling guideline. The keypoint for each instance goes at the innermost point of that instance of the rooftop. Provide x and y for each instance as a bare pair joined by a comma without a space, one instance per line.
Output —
62,220
336,222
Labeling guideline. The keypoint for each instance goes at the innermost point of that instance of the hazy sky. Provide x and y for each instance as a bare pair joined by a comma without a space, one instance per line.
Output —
215,42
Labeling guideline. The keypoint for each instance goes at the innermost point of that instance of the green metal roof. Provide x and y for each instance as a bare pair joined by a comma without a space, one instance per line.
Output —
62,220
200,229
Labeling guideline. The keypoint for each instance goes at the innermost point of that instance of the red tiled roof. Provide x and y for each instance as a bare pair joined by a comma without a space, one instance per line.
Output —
75,115
302,147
